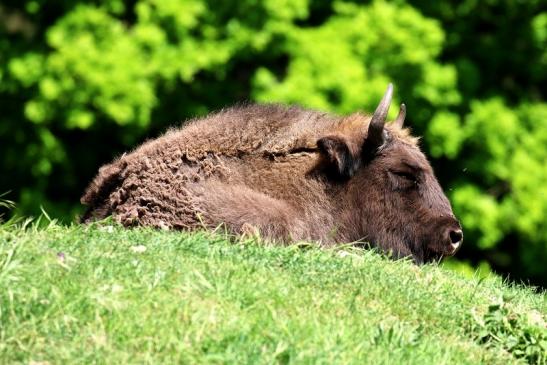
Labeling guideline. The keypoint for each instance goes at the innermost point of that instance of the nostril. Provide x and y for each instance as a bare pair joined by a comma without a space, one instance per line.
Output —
456,236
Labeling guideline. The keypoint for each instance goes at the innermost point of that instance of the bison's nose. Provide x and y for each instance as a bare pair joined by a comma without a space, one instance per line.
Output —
456,238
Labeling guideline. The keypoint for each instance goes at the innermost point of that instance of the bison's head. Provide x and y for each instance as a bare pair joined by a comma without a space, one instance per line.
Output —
391,197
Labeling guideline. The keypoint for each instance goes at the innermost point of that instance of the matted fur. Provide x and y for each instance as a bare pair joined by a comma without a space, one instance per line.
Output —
290,173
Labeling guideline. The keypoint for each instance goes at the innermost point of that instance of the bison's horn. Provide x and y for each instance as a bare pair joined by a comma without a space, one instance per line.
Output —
400,120
376,126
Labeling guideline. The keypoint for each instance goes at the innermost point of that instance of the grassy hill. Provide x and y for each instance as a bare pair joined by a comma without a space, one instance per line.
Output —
103,294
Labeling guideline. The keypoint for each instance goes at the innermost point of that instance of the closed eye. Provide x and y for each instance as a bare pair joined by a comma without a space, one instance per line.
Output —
403,180
405,175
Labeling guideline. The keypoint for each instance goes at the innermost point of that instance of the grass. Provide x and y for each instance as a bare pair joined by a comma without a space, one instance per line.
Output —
103,294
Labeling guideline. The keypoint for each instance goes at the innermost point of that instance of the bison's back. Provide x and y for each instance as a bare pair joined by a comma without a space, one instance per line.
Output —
153,185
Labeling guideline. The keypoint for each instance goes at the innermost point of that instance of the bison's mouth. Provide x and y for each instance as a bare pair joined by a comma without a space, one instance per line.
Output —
455,247
452,248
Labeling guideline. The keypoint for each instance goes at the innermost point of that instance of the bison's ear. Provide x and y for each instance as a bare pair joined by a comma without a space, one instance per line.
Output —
342,163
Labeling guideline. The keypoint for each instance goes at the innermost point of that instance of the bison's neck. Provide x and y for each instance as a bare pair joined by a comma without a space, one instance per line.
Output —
354,203
293,179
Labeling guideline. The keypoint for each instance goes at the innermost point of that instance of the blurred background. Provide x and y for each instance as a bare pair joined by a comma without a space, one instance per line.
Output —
83,81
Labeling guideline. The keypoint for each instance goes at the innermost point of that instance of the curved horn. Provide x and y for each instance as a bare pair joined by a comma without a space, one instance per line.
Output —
400,120
376,126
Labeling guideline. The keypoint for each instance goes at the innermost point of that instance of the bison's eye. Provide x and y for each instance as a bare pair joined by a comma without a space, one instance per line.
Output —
405,175
403,179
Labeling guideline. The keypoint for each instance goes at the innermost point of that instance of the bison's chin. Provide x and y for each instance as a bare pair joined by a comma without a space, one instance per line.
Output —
438,253
432,256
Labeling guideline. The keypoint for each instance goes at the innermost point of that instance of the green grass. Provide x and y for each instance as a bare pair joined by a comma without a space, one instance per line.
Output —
102,294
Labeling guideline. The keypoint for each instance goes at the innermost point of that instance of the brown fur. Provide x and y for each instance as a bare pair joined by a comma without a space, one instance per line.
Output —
290,173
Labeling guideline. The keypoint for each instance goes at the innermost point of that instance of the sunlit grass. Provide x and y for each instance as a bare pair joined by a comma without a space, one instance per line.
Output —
103,294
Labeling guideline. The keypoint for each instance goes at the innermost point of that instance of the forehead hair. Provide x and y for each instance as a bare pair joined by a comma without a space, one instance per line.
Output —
360,123
403,135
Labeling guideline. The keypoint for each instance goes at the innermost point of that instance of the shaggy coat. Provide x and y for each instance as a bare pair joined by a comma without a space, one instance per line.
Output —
288,173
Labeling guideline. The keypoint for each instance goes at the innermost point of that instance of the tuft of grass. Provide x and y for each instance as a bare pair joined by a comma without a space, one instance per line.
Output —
521,334
5,204
104,294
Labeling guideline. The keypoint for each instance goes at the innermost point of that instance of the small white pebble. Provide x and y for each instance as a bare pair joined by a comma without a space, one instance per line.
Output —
535,317
343,253
116,288
138,248
108,229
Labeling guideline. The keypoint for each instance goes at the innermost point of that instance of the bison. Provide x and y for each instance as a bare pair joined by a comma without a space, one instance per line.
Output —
290,174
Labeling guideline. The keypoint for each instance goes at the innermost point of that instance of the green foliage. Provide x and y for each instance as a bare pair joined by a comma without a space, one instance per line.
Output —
105,294
524,336
81,82
339,66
